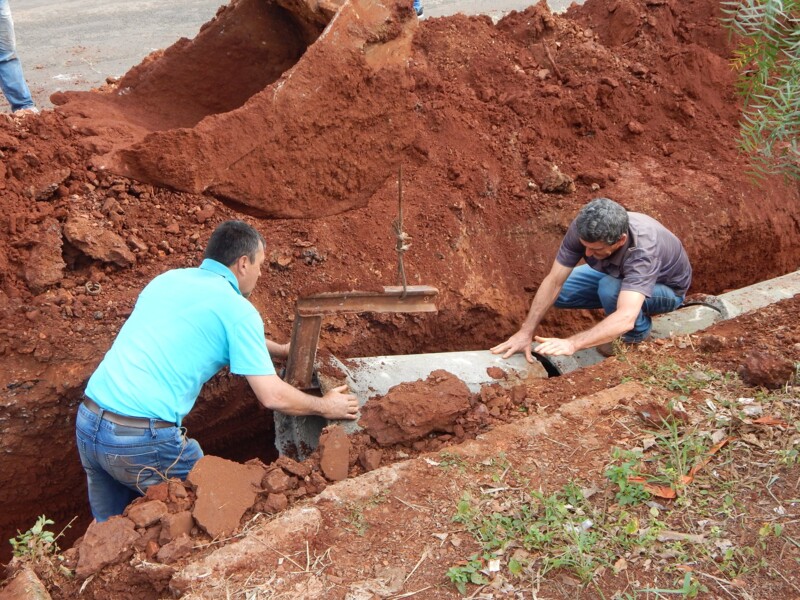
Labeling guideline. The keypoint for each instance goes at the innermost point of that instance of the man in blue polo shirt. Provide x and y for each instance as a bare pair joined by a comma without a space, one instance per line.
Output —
187,324
635,267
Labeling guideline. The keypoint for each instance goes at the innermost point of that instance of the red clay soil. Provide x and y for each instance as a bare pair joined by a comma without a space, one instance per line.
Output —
411,411
504,132
147,552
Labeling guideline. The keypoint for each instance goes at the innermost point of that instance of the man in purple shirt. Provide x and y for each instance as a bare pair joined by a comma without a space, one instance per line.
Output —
635,267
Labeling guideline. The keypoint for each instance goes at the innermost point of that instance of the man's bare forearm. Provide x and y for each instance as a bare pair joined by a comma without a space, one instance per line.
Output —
610,328
277,350
276,394
544,298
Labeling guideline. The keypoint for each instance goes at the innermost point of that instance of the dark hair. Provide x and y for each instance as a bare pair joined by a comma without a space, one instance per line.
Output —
602,220
231,240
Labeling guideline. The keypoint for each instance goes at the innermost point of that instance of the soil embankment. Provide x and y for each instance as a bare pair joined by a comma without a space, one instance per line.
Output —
504,131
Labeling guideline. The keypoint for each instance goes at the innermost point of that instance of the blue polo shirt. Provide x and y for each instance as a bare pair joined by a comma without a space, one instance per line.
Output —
187,324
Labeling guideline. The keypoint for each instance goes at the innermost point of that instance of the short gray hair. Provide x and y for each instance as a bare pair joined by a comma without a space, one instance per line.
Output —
232,240
602,220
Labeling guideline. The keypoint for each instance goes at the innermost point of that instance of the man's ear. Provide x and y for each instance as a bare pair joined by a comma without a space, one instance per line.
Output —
241,263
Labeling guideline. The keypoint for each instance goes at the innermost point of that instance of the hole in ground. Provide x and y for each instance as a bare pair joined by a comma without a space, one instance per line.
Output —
549,366
227,421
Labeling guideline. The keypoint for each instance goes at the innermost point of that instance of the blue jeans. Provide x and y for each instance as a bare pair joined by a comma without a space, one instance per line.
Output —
587,288
122,462
12,81
418,7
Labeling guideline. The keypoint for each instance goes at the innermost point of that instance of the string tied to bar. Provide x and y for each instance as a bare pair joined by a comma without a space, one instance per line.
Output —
403,240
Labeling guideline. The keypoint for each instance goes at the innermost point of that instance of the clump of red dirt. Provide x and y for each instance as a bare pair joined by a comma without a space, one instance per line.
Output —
411,411
505,131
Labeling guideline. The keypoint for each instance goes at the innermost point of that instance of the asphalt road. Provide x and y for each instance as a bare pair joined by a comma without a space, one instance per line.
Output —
76,44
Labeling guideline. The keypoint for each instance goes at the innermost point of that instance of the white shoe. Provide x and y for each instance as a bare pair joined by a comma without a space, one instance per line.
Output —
23,112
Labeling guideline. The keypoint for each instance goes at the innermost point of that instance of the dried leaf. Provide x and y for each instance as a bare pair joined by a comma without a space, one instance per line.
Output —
772,421
620,565
714,449
588,492
718,435
660,491
751,439
678,536
657,415
753,411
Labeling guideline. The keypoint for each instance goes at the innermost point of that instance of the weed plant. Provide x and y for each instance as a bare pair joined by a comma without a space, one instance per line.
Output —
711,534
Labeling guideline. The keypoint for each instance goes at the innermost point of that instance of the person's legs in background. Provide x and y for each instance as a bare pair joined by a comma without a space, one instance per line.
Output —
12,80
418,7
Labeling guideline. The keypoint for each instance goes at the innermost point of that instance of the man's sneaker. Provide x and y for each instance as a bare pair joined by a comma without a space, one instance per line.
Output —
606,349
24,112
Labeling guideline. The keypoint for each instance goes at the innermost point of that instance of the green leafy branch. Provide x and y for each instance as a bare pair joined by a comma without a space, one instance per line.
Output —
768,61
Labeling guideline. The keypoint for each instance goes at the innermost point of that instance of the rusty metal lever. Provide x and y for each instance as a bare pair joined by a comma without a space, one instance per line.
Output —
309,312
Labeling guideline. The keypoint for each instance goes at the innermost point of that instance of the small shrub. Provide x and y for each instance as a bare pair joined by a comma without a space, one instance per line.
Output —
35,543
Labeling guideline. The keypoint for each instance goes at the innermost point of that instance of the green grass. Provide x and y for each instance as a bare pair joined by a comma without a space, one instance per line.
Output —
525,535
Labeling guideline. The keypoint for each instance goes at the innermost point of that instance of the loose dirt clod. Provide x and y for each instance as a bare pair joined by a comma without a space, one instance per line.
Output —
769,370
334,453
225,490
410,411
104,544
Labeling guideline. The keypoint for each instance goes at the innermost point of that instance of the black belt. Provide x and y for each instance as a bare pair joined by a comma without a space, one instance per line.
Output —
139,422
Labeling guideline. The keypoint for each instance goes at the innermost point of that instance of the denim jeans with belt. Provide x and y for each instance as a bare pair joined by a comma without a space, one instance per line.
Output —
121,462
12,81
588,288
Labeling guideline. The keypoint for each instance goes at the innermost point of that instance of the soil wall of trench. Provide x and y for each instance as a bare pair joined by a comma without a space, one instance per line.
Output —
504,131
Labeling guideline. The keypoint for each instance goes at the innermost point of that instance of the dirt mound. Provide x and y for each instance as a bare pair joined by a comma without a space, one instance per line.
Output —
506,131
275,142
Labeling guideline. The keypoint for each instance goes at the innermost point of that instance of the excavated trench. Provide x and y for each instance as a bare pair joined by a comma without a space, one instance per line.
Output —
229,423
504,131
248,46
